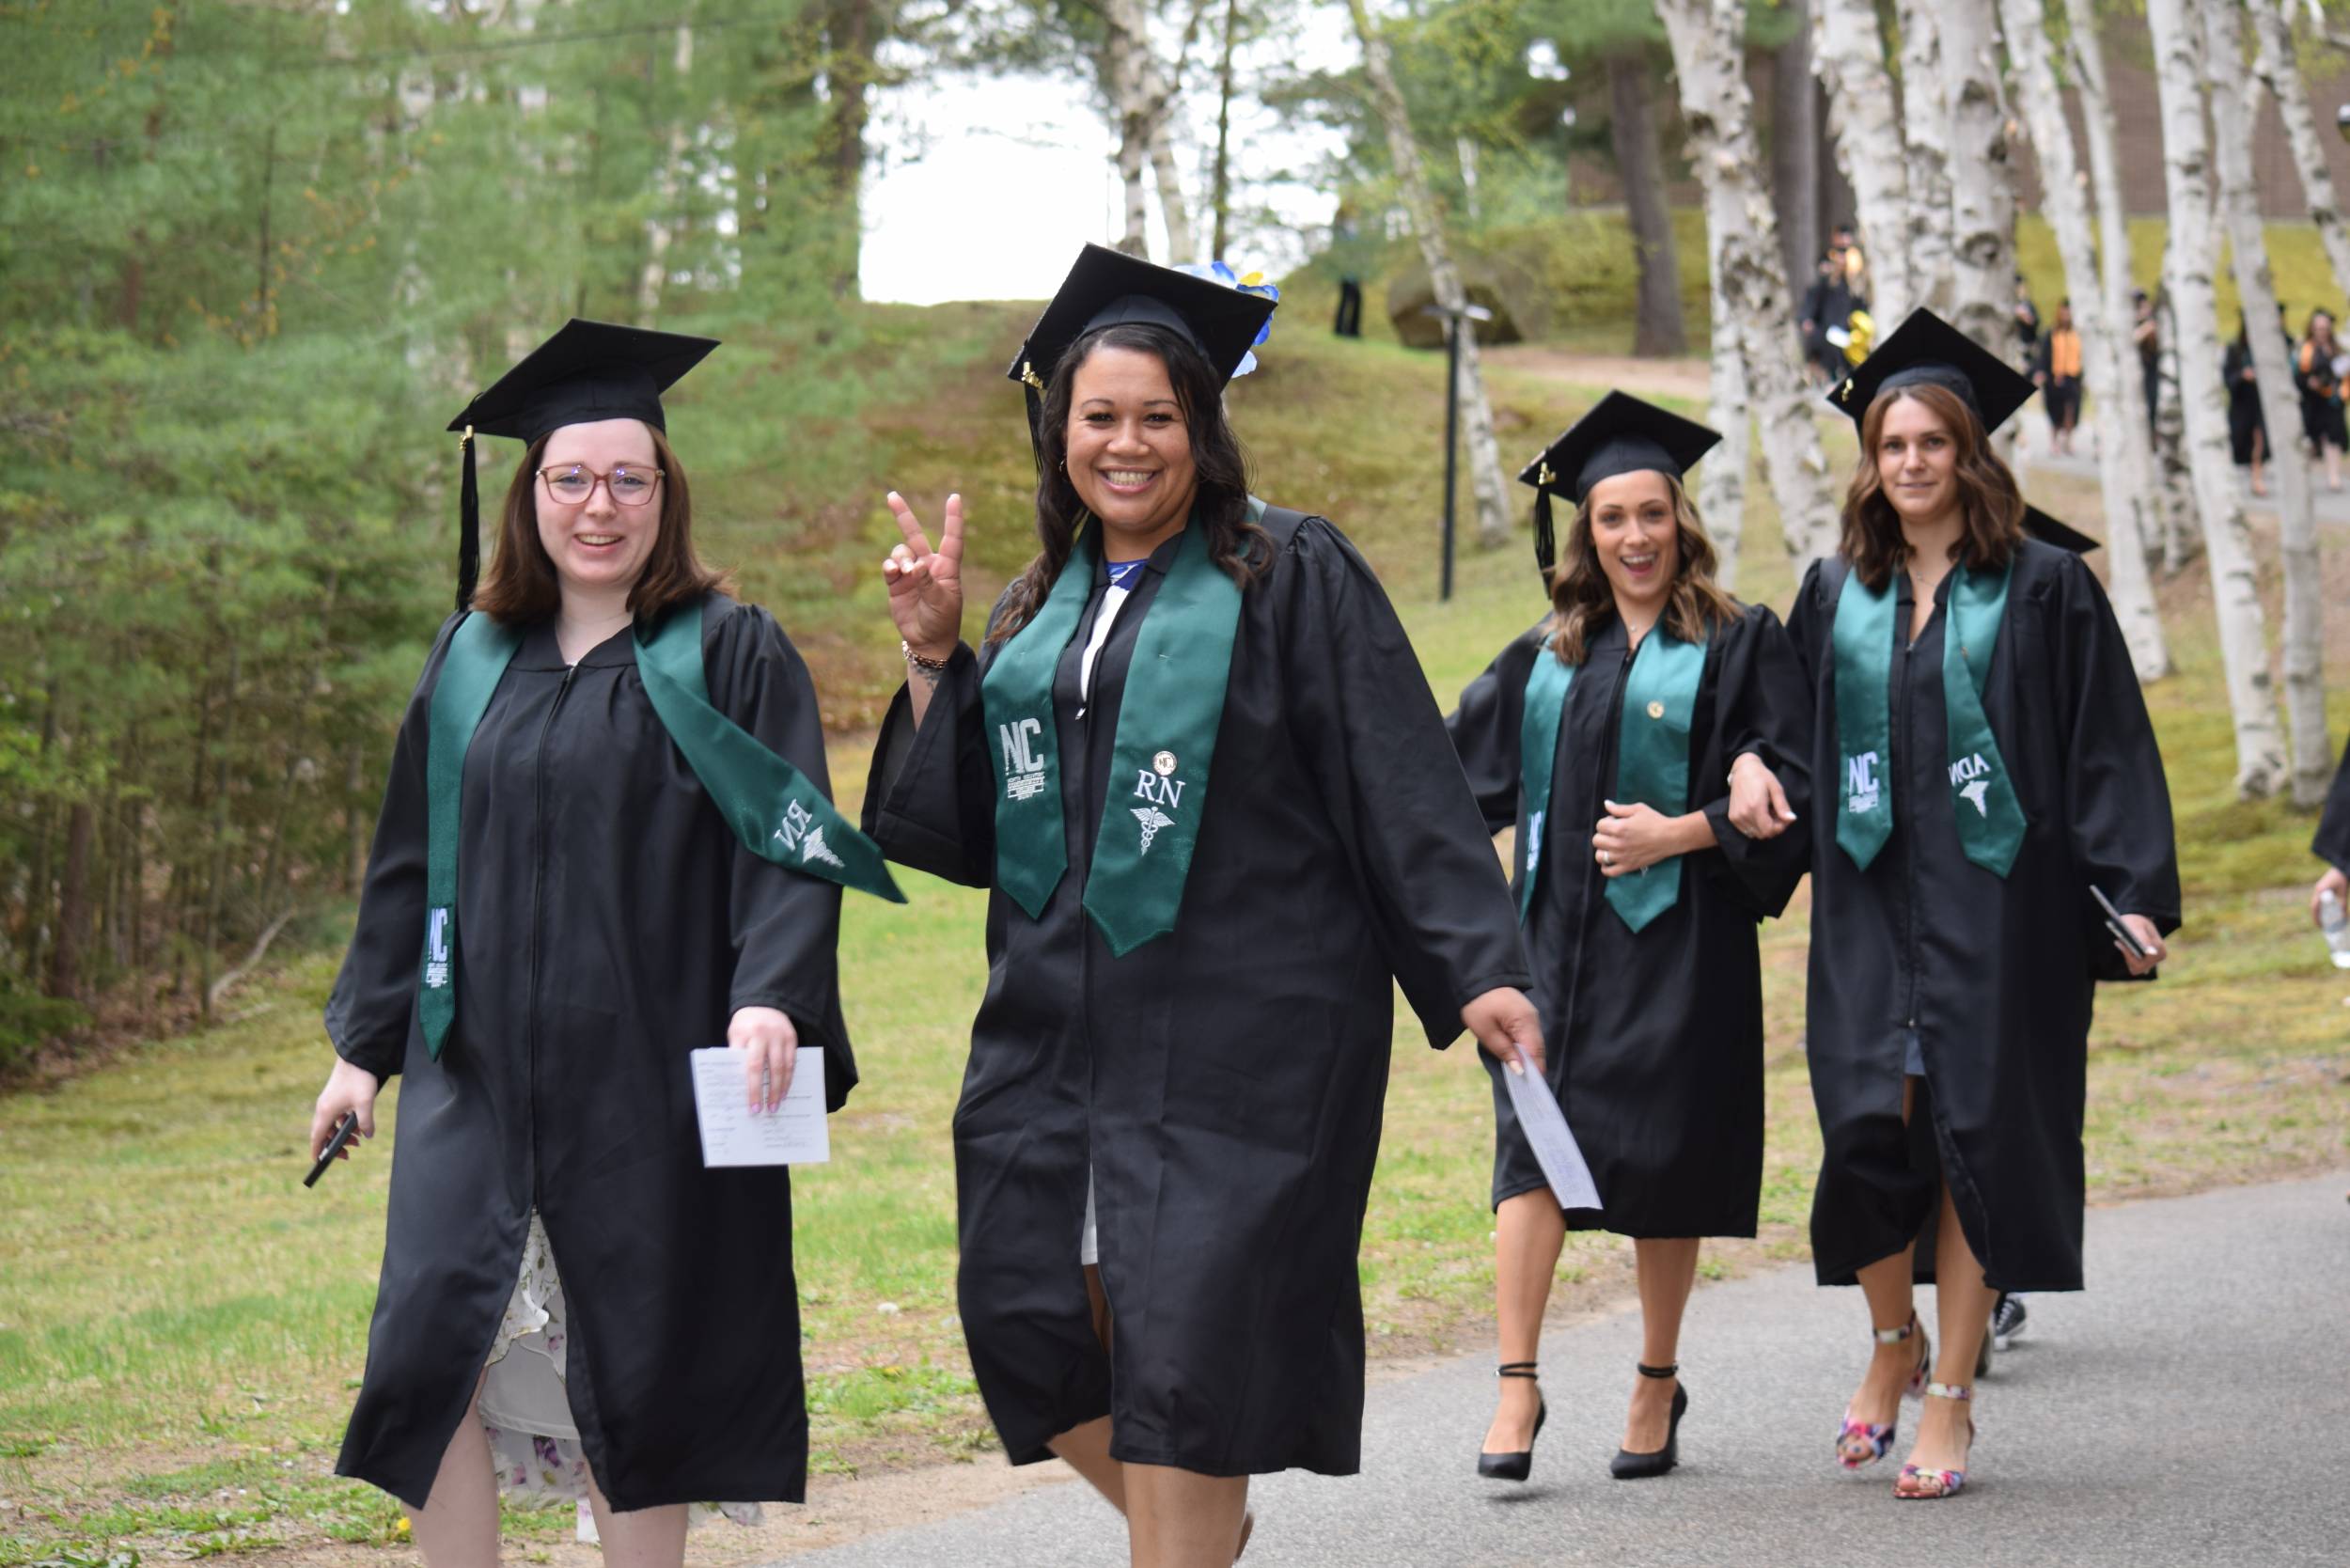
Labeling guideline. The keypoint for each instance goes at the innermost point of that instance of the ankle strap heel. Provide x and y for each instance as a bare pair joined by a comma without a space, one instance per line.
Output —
1516,1369
1647,1370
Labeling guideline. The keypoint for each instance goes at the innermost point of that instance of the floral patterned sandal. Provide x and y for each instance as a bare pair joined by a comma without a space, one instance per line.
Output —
1919,1484
1861,1444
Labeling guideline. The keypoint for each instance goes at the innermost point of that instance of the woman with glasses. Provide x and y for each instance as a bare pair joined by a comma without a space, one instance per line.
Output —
605,842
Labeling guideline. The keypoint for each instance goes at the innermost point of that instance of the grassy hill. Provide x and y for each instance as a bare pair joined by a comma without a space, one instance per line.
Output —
182,1324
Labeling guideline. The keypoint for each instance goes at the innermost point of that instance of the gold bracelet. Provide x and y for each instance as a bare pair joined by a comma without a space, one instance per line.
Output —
920,661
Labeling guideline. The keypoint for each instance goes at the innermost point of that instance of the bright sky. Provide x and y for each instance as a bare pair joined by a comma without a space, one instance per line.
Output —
985,187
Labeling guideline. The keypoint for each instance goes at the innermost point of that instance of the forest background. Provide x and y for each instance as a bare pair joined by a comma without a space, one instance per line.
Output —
256,252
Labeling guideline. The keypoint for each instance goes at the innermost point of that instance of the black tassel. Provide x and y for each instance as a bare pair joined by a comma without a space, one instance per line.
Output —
1036,423
468,526
1545,538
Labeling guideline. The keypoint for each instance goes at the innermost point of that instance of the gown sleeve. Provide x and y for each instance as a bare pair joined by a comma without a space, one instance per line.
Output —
1805,619
2117,801
2332,843
786,927
929,799
375,993
1486,730
1761,704
1369,735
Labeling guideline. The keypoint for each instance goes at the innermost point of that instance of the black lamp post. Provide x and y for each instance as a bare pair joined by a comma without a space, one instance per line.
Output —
1452,328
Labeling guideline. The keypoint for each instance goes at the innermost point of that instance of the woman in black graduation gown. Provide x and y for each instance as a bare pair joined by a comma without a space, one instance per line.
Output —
1168,1123
1642,874
2332,843
607,920
1986,761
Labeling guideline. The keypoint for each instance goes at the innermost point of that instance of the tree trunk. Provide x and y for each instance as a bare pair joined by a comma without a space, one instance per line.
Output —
1182,246
660,223
1477,415
2107,363
1708,39
1722,487
1657,333
65,954
2185,166
1928,94
1795,148
2273,30
849,68
1848,51
2168,503
1124,57
1222,200
1982,180
2234,111
2175,494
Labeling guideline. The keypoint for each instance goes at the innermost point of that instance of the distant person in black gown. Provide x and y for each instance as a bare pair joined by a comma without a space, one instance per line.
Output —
1648,741
2247,427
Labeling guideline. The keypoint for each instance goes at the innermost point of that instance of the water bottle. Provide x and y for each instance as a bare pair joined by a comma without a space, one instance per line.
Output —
2336,925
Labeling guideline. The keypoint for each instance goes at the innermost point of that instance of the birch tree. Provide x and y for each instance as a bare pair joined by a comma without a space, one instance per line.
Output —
1709,60
1864,118
2232,112
2186,180
1927,132
1982,178
2272,31
1722,488
2103,340
1476,415
661,221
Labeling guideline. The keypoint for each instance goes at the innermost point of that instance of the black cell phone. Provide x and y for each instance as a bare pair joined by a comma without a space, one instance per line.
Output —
2114,923
345,1131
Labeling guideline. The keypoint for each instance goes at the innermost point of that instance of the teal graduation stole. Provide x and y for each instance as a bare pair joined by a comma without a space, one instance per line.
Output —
1660,695
1166,741
771,809
1983,804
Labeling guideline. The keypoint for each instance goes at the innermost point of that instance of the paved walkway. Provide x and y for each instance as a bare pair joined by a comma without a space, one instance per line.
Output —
2192,1407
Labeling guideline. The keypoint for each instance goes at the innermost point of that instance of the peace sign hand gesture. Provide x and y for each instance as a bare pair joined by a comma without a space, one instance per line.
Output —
926,585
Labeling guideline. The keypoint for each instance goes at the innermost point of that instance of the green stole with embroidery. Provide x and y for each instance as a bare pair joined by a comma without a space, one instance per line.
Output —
773,809
1159,760
1982,798
1660,694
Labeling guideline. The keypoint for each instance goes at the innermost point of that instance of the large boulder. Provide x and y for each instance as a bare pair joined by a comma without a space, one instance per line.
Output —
1504,288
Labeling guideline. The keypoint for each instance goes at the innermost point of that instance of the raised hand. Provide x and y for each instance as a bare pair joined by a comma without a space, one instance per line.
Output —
926,585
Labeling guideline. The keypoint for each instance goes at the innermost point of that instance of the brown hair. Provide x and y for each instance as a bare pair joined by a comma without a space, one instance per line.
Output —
1580,596
1235,544
1988,501
520,586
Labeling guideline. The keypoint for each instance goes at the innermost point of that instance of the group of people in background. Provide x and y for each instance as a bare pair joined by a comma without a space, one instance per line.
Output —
1190,755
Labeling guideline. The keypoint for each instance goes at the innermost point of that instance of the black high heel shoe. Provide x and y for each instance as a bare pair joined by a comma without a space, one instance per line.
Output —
1628,1466
1516,1467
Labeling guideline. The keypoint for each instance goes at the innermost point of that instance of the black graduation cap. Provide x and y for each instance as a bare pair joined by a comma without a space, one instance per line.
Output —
589,370
2049,531
1927,350
1620,436
1107,287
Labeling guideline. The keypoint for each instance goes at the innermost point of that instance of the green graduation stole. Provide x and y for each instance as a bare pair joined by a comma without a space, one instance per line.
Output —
1166,741
773,809
1990,820
1660,694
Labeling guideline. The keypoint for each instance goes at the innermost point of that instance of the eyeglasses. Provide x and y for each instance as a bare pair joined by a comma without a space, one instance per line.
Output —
572,483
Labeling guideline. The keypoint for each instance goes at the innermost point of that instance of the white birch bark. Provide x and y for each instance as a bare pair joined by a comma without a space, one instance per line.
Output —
2232,112
1476,415
2187,179
2175,493
1848,51
2273,30
1722,486
660,224
2112,385
1927,127
1982,178
1709,62
1125,57
2171,505
1181,243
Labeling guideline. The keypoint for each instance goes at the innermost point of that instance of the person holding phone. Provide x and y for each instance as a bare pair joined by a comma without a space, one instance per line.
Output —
1988,762
1649,741
597,853
1195,762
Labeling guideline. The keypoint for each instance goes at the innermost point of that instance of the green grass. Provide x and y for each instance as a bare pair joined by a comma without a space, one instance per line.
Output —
182,1324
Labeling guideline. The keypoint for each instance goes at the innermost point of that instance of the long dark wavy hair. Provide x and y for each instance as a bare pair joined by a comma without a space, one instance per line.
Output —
1581,599
1988,500
1244,550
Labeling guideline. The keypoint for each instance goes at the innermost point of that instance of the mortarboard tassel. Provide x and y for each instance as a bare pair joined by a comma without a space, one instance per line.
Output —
1036,422
468,526
1545,537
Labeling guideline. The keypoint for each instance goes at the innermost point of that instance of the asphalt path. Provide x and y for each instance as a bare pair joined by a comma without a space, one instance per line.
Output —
2191,1407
